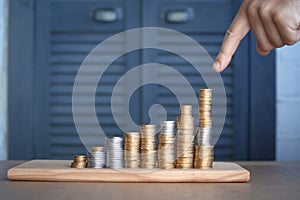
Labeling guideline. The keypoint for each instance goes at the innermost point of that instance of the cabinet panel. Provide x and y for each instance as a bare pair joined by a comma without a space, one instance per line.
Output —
67,32
207,26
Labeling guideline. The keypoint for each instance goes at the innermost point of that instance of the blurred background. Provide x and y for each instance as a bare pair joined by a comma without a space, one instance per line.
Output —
43,42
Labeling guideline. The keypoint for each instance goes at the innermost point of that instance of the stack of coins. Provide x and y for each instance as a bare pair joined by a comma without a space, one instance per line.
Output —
148,144
79,162
185,138
205,108
96,158
204,153
204,157
132,149
114,152
166,145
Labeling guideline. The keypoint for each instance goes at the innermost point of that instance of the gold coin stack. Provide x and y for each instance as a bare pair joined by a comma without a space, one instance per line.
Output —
185,138
132,150
204,157
79,162
204,151
205,99
166,145
148,144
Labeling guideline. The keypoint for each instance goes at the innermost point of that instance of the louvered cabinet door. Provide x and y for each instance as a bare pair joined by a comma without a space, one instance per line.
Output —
206,22
66,31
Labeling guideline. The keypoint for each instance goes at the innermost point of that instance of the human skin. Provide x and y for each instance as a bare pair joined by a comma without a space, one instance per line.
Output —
275,23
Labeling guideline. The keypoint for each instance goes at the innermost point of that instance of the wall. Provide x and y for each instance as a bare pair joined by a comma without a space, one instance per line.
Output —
2,81
288,103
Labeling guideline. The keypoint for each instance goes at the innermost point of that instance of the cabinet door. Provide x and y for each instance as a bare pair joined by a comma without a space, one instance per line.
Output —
206,22
66,31
49,39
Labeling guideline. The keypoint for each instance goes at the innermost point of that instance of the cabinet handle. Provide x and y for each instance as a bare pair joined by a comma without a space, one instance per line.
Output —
179,16
107,15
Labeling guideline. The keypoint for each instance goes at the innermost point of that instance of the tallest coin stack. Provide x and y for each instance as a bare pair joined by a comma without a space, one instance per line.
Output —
204,151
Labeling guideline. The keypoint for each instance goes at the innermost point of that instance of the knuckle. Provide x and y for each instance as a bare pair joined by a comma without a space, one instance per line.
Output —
265,47
232,36
289,41
252,8
278,18
265,10
276,42
224,55
278,45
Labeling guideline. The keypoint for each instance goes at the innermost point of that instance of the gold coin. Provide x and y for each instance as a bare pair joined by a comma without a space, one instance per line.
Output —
184,166
79,161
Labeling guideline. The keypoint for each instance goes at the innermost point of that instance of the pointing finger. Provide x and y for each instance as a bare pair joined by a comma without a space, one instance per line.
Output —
236,32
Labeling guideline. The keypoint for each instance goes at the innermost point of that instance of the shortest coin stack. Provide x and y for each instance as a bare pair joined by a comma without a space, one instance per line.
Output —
132,150
96,158
79,162
203,157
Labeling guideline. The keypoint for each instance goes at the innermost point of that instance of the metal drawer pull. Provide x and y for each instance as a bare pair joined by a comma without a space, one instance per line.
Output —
107,15
179,16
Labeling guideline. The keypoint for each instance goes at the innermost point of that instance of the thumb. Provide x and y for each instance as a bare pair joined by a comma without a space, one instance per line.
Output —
236,32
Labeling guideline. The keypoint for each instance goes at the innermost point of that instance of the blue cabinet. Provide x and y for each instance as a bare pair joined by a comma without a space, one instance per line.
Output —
60,34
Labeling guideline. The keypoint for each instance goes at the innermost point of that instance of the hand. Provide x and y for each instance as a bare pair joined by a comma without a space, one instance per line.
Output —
275,23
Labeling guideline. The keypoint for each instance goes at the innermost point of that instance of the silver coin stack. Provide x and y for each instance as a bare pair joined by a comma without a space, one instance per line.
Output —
114,152
166,145
96,158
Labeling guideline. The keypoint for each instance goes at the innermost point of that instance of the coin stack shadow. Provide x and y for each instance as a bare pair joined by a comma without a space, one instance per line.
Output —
148,146
204,150
132,150
185,138
166,145
79,162
114,152
96,158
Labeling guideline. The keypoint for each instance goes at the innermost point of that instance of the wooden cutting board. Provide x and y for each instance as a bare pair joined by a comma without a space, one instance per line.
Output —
59,170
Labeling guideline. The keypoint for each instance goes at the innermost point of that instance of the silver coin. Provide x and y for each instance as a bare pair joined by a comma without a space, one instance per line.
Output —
114,152
204,136
96,159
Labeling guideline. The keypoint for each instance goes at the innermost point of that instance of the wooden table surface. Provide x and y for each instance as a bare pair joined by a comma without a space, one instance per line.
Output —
269,180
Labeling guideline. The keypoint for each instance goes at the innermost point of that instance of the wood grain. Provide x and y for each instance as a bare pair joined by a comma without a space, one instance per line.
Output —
59,170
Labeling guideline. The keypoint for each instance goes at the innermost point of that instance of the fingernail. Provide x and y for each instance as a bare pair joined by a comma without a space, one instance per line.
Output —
216,66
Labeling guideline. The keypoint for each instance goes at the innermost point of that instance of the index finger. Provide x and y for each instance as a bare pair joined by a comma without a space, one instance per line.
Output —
236,32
